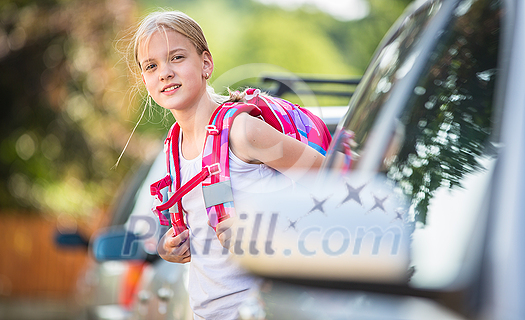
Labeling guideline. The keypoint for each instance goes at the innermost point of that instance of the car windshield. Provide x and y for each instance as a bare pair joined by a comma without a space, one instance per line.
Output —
441,148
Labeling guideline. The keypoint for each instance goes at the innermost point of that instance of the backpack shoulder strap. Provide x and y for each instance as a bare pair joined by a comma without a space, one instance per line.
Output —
174,203
216,189
171,148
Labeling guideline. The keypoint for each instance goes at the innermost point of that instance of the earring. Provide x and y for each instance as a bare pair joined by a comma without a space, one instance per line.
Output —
206,76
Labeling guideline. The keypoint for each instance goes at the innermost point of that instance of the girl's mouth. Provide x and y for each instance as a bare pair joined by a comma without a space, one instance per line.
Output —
171,88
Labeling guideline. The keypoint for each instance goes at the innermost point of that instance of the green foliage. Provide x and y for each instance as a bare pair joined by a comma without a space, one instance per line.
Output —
364,35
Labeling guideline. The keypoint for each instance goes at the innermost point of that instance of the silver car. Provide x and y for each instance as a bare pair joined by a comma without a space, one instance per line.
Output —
428,163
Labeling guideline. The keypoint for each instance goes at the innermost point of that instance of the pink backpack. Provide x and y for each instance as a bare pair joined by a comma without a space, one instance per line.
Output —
284,116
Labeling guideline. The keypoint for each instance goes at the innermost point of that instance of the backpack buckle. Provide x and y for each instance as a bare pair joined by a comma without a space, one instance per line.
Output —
212,129
214,169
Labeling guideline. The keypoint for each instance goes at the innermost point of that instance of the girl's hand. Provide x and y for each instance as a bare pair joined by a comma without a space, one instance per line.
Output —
175,249
225,233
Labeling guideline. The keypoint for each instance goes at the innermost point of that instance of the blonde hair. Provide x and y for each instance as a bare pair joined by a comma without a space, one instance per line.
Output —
171,20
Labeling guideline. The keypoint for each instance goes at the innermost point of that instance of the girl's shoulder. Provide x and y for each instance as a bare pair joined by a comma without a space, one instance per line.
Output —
245,133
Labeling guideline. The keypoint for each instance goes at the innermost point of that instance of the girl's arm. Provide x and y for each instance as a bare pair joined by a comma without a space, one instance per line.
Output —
254,141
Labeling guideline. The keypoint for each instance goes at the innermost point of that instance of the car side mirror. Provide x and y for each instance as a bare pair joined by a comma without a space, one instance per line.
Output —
71,240
118,244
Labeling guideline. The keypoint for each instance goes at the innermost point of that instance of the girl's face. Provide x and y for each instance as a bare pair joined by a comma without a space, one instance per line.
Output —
172,70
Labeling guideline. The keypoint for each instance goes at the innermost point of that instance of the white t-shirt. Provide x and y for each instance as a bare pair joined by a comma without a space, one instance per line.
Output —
217,284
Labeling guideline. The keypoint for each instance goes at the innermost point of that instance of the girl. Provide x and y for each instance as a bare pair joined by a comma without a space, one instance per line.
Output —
175,63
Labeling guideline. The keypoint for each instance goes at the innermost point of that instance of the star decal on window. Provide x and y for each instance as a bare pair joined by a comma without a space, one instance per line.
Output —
379,204
399,215
292,224
318,205
353,194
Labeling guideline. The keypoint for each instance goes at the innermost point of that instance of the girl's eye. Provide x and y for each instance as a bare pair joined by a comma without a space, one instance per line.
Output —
176,57
149,66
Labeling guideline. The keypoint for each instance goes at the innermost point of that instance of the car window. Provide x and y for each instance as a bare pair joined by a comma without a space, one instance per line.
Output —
442,151
443,132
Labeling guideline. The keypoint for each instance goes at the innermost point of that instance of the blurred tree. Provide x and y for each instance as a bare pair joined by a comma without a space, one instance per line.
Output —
359,39
64,101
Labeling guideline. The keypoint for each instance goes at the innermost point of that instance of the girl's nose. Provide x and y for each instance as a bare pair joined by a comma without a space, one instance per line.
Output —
166,74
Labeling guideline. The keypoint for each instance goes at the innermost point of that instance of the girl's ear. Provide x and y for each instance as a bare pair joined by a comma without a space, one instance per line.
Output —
207,63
